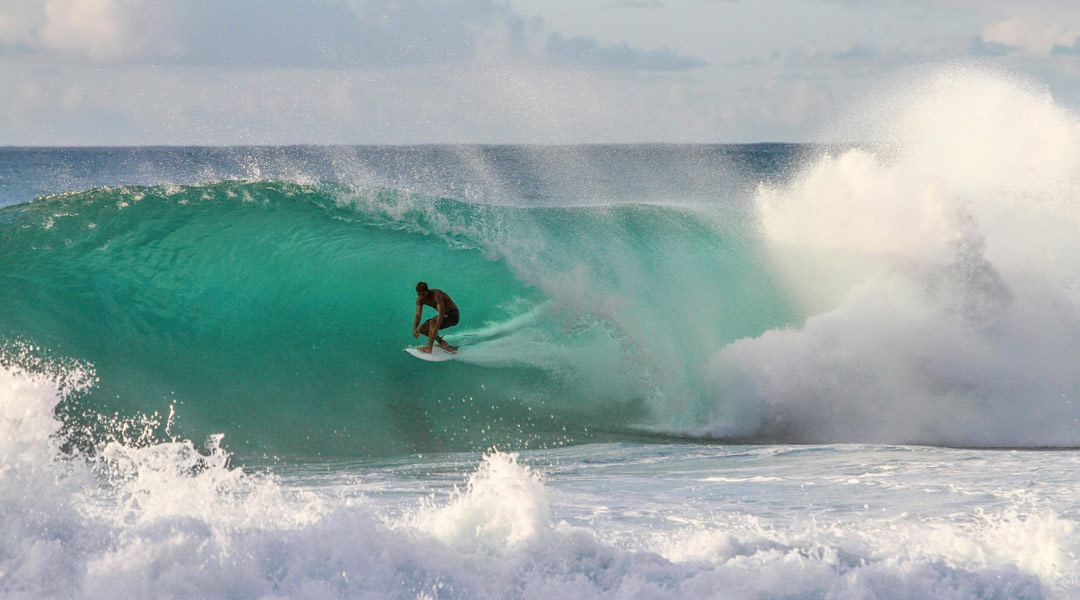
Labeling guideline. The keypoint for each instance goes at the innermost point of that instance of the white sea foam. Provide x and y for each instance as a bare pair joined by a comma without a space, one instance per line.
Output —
942,274
167,520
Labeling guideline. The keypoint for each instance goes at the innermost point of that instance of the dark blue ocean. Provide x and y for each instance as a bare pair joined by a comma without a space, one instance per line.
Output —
686,371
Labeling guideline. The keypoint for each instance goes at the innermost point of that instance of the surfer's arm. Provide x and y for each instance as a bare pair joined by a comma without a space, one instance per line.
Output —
416,321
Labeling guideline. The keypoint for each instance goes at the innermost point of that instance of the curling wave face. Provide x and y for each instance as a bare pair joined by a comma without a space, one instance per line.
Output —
277,312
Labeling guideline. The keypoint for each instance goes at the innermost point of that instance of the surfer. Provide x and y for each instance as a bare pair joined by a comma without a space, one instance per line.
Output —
447,317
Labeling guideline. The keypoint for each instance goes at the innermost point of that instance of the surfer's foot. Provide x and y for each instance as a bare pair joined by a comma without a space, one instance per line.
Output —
424,349
448,347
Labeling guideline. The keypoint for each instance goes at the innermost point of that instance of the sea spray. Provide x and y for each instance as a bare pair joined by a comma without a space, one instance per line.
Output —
38,490
939,274
503,506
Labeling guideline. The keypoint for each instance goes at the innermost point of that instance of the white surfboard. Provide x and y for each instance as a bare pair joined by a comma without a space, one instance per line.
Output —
437,354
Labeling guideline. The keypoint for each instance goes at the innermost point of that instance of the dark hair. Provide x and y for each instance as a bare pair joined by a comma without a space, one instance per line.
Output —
421,287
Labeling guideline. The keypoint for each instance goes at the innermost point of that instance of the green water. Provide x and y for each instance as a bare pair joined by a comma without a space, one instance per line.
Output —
277,313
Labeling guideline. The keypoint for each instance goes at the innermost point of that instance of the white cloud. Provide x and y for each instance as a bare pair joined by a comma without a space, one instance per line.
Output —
83,26
341,34
250,33
86,30
1032,36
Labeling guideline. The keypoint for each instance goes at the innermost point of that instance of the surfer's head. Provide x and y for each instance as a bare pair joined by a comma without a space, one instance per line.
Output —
421,288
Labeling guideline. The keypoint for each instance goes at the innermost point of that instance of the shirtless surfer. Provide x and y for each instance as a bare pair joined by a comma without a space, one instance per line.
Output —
447,317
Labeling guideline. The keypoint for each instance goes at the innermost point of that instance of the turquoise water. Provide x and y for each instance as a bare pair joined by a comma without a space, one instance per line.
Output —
276,313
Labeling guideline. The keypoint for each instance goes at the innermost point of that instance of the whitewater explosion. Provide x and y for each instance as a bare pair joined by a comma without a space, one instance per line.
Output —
939,274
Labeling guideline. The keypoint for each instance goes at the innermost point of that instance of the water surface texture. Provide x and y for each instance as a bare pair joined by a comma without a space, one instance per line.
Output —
732,371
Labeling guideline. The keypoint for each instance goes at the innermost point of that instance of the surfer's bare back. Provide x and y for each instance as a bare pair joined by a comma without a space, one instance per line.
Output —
447,317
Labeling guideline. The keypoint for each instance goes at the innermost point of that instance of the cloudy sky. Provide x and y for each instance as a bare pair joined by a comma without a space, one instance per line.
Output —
108,72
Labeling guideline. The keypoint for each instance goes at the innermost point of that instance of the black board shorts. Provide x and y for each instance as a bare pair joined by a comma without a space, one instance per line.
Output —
449,320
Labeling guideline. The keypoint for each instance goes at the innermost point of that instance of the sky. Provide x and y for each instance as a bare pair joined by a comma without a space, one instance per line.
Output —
228,72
